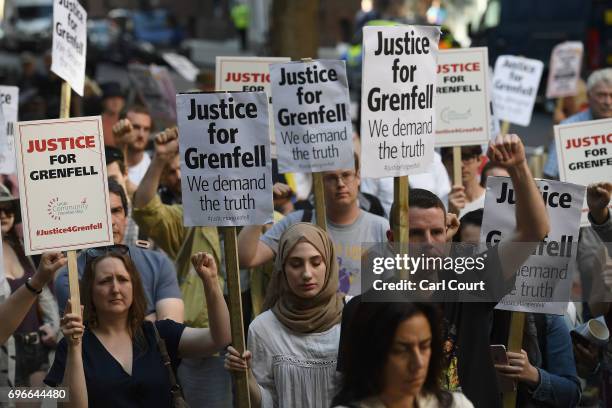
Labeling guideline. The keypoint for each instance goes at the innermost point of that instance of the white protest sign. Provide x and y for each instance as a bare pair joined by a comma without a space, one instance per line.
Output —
398,100
515,86
311,116
69,43
462,104
62,184
543,281
182,65
564,72
584,154
225,158
248,74
9,107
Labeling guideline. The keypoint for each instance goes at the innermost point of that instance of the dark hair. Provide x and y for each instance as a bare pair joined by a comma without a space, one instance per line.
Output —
116,188
467,151
471,218
137,309
369,340
483,174
113,155
420,198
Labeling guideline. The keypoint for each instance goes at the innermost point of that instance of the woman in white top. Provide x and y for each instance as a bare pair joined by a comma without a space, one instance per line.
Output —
393,358
294,344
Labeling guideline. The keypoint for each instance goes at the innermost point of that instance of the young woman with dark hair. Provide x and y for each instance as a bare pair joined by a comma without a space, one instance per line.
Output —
394,358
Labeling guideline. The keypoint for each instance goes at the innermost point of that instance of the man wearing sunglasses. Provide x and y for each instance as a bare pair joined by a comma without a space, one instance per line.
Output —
156,269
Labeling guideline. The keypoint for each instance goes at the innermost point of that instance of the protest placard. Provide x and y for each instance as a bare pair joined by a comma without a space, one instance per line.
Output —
69,43
182,65
564,71
9,107
248,74
584,153
311,110
398,99
62,184
225,158
543,281
153,90
515,86
462,105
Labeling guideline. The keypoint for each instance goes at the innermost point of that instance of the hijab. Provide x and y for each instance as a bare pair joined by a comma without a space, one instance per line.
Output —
306,315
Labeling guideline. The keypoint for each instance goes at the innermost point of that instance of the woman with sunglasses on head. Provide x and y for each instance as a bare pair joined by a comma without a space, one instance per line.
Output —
393,358
294,344
117,358
32,320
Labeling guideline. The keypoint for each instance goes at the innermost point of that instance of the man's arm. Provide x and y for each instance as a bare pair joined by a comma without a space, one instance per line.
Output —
251,251
598,199
532,223
166,147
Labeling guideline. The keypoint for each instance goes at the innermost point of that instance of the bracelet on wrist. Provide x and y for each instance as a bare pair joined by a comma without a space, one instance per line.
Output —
28,284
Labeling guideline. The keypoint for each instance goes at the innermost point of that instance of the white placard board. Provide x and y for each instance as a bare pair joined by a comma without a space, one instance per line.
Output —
564,71
584,154
543,282
515,87
69,43
398,99
312,119
249,74
63,187
9,109
225,158
462,106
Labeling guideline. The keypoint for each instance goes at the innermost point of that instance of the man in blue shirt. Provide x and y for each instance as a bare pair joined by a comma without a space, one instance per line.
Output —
156,270
599,93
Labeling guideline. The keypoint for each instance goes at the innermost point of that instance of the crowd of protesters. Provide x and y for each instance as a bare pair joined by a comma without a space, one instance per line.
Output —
155,326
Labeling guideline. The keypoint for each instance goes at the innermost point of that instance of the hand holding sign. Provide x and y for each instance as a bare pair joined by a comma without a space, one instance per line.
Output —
598,198
456,199
507,151
166,144
519,368
72,325
50,262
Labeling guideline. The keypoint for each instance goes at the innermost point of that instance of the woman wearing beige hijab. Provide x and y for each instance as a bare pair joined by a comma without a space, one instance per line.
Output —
292,346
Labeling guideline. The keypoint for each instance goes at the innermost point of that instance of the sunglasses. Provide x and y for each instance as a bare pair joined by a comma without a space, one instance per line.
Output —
93,253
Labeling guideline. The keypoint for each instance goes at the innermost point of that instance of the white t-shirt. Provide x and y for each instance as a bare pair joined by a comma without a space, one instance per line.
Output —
293,369
474,205
137,172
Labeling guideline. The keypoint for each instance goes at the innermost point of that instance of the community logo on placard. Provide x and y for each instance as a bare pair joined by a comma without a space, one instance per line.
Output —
56,208
449,115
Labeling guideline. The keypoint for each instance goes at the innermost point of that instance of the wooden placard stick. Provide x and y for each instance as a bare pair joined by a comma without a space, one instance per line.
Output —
457,166
73,271
319,192
230,245
400,229
505,127
515,343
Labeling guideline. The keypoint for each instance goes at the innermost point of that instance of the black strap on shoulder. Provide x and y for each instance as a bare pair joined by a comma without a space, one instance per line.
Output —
307,215
541,329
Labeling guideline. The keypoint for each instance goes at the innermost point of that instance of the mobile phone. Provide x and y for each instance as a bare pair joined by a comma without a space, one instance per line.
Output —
498,353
